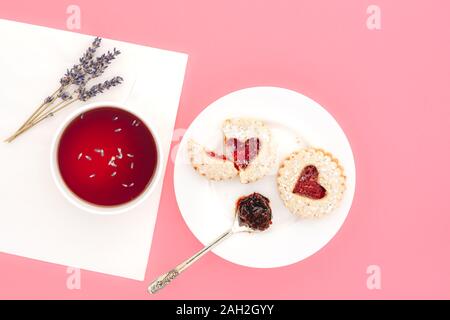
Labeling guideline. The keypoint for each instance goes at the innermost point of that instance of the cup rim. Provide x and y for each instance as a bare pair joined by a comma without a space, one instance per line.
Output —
85,205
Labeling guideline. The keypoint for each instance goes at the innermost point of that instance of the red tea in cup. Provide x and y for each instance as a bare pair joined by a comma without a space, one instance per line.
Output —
107,156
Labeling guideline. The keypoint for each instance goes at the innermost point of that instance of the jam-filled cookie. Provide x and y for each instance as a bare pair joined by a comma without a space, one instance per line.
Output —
311,182
248,152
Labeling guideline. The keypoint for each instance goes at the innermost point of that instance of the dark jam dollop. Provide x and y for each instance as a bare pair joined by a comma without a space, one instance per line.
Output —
243,152
254,211
307,184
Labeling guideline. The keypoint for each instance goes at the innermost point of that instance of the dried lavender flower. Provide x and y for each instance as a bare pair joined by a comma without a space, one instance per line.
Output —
49,99
89,54
64,95
85,95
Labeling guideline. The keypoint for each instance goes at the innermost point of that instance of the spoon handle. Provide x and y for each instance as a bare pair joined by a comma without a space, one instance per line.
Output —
163,280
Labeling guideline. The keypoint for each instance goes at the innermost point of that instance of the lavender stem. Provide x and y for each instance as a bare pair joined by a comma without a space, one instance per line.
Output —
38,110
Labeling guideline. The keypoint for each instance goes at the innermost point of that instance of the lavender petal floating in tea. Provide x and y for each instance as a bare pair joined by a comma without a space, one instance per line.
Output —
73,86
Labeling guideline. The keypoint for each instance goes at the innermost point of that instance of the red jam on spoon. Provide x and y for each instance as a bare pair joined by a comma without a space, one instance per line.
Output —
307,184
107,156
254,211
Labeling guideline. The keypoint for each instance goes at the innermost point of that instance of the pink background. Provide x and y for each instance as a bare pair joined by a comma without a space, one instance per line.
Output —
389,90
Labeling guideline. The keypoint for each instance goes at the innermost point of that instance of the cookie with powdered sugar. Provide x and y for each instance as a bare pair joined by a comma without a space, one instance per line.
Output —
311,182
210,165
248,143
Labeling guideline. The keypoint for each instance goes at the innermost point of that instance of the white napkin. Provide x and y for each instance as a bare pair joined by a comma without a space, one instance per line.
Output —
36,221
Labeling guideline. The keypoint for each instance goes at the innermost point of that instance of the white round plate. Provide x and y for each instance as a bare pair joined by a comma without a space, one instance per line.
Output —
208,206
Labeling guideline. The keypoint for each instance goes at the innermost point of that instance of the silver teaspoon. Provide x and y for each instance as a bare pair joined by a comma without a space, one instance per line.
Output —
163,280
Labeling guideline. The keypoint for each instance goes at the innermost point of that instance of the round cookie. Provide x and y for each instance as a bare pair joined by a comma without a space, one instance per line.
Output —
311,182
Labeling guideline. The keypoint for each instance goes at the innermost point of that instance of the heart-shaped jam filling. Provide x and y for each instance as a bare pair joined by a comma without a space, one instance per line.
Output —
243,152
307,184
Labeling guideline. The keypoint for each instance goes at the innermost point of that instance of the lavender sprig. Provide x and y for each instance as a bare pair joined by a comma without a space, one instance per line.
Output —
73,85
98,88
89,54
